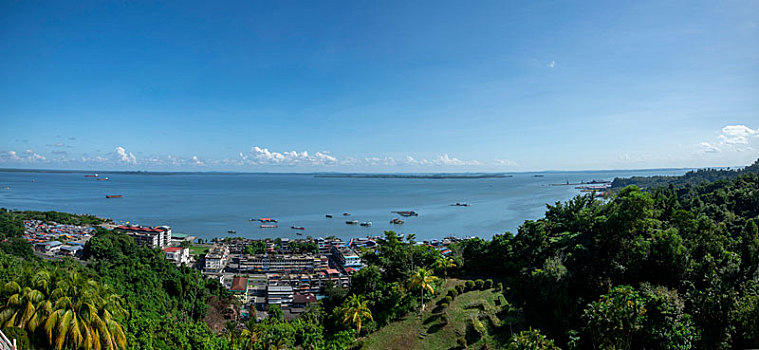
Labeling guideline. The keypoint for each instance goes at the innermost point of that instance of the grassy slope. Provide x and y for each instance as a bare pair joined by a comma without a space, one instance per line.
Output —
405,333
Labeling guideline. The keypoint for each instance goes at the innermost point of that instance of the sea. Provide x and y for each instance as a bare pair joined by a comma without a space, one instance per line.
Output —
208,205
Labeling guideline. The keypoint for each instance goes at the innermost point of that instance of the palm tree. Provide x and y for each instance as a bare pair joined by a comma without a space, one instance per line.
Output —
422,279
444,264
24,308
85,315
354,310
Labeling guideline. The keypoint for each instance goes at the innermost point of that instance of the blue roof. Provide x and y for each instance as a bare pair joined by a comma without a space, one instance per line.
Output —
50,243
73,248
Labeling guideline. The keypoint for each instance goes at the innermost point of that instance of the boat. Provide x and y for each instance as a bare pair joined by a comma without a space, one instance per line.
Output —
537,175
352,222
232,231
328,216
268,226
405,213
346,214
457,204
297,227
113,196
298,233
91,175
397,221
265,220
103,179
366,223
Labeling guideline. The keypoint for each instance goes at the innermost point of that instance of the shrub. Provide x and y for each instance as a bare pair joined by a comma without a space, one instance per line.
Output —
479,283
453,292
444,319
461,342
469,285
460,288
443,306
499,286
488,283
447,299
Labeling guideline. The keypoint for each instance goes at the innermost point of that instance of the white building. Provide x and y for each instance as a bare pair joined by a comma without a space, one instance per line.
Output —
177,255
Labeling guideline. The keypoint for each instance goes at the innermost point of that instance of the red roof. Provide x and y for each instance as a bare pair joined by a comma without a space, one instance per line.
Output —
332,271
350,270
239,284
172,249
304,298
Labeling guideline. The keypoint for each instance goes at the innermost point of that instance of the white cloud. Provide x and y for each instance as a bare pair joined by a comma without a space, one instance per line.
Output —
733,138
263,156
505,162
197,161
122,156
551,65
447,160
27,156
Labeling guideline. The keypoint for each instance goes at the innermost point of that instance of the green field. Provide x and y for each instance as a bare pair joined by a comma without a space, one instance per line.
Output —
197,249
426,331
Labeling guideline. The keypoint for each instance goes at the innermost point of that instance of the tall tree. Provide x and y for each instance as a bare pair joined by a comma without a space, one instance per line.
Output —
422,279
354,310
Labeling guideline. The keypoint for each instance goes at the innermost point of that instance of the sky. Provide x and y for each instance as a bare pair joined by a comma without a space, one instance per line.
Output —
378,86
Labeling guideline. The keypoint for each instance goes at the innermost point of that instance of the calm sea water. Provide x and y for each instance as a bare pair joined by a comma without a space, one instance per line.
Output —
208,205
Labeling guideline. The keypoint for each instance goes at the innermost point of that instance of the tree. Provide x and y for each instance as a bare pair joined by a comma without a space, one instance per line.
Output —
422,279
444,264
615,318
530,340
25,307
354,310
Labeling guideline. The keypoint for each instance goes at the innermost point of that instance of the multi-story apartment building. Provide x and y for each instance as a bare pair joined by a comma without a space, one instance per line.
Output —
216,258
156,237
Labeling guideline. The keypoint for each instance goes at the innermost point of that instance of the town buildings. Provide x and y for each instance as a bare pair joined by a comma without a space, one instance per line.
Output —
156,237
177,254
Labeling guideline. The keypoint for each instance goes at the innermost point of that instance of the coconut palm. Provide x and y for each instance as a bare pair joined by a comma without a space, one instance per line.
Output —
422,279
444,264
25,307
354,310
85,315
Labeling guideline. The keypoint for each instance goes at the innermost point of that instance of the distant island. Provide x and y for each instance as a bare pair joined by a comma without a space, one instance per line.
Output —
415,176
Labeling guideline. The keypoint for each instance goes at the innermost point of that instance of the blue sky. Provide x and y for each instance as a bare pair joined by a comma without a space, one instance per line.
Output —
378,86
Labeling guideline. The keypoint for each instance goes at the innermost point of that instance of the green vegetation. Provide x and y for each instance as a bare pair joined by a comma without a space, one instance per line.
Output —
691,178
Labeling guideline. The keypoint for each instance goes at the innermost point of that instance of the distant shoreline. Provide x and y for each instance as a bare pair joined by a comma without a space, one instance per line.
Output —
408,176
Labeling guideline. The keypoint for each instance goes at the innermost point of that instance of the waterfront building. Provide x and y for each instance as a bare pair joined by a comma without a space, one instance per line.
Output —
216,258
155,237
279,295
177,255
346,257
263,263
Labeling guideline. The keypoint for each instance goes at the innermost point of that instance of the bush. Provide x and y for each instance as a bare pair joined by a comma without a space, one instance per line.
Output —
453,293
461,342
443,306
479,283
469,285
447,299
444,319
460,288
499,286
488,283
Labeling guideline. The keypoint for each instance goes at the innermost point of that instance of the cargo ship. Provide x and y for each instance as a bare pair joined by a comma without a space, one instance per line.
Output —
352,222
91,175
297,227
113,196
264,220
269,226
103,179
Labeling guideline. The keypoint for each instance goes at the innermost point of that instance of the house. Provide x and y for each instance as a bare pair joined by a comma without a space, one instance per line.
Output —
177,255
302,300
71,250
279,294
48,247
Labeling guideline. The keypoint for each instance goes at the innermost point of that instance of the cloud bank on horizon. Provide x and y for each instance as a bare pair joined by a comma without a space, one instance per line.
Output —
738,144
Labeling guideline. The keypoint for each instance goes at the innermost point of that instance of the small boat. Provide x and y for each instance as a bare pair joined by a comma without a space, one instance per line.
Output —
93,175
232,231
352,222
406,213
103,179
113,196
537,175
460,204
346,214
328,216
297,227
266,220
298,233
366,223
397,221
268,226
